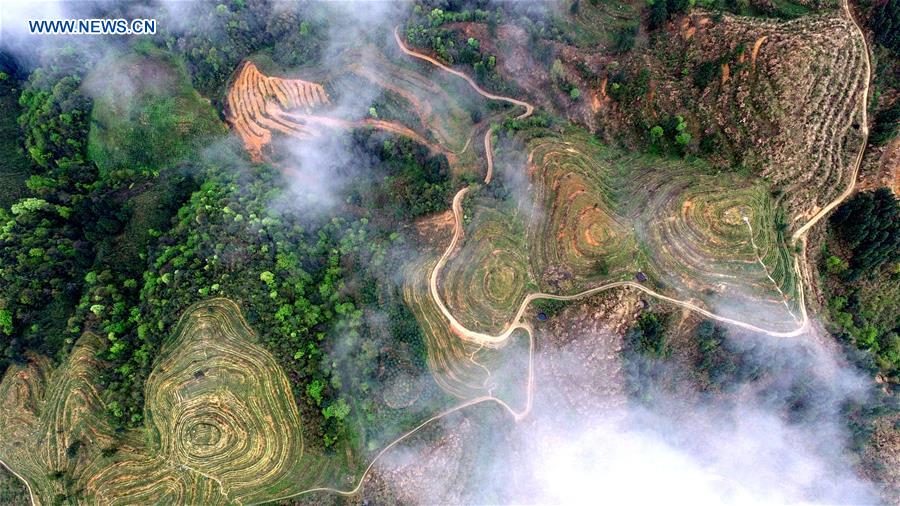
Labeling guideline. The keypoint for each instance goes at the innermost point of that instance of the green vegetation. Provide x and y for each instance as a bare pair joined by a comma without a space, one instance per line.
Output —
884,20
724,364
41,249
146,115
869,224
54,117
671,136
644,348
627,88
549,307
406,180
784,9
299,282
12,490
42,262
864,314
625,38
706,72
164,223
886,125
558,75
221,34
862,276
425,29
14,165
661,11
648,336
84,235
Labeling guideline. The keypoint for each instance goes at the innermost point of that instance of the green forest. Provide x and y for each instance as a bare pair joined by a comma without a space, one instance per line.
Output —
860,265
118,239
128,198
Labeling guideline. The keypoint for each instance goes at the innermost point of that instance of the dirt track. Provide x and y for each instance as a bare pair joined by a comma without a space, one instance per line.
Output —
487,340
517,323
19,476
800,233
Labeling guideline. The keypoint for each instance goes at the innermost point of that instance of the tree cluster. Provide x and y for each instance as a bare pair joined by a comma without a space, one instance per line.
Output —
671,136
43,250
869,224
426,30
884,20
724,364
861,269
660,11
221,35
405,179
644,347
626,88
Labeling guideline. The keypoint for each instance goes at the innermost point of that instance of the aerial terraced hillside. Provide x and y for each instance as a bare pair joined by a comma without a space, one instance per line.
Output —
782,95
453,254
221,423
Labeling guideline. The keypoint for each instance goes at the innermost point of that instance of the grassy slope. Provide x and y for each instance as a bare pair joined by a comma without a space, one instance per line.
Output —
13,163
148,118
146,114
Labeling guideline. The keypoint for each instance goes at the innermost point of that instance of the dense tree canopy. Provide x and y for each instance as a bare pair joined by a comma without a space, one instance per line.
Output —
645,345
54,119
884,19
870,225
863,298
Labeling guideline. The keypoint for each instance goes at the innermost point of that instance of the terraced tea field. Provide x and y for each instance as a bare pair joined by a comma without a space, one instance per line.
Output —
222,425
488,277
577,237
714,238
791,100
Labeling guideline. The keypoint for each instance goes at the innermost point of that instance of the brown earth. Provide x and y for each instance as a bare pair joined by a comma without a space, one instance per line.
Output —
882,168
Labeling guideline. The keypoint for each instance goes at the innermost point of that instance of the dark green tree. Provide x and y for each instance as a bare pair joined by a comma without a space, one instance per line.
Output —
869,224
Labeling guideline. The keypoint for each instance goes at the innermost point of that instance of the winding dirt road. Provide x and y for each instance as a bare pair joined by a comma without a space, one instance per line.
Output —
517,323
494,341
19,476
529,109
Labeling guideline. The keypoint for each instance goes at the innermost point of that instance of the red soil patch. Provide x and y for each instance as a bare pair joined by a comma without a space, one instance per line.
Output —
756,46
259,105
256,104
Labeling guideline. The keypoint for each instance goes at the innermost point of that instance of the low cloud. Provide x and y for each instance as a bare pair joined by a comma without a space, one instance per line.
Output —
681,447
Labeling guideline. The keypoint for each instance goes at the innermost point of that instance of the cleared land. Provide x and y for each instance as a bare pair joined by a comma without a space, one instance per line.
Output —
221,425
256,103
259,105
789,107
